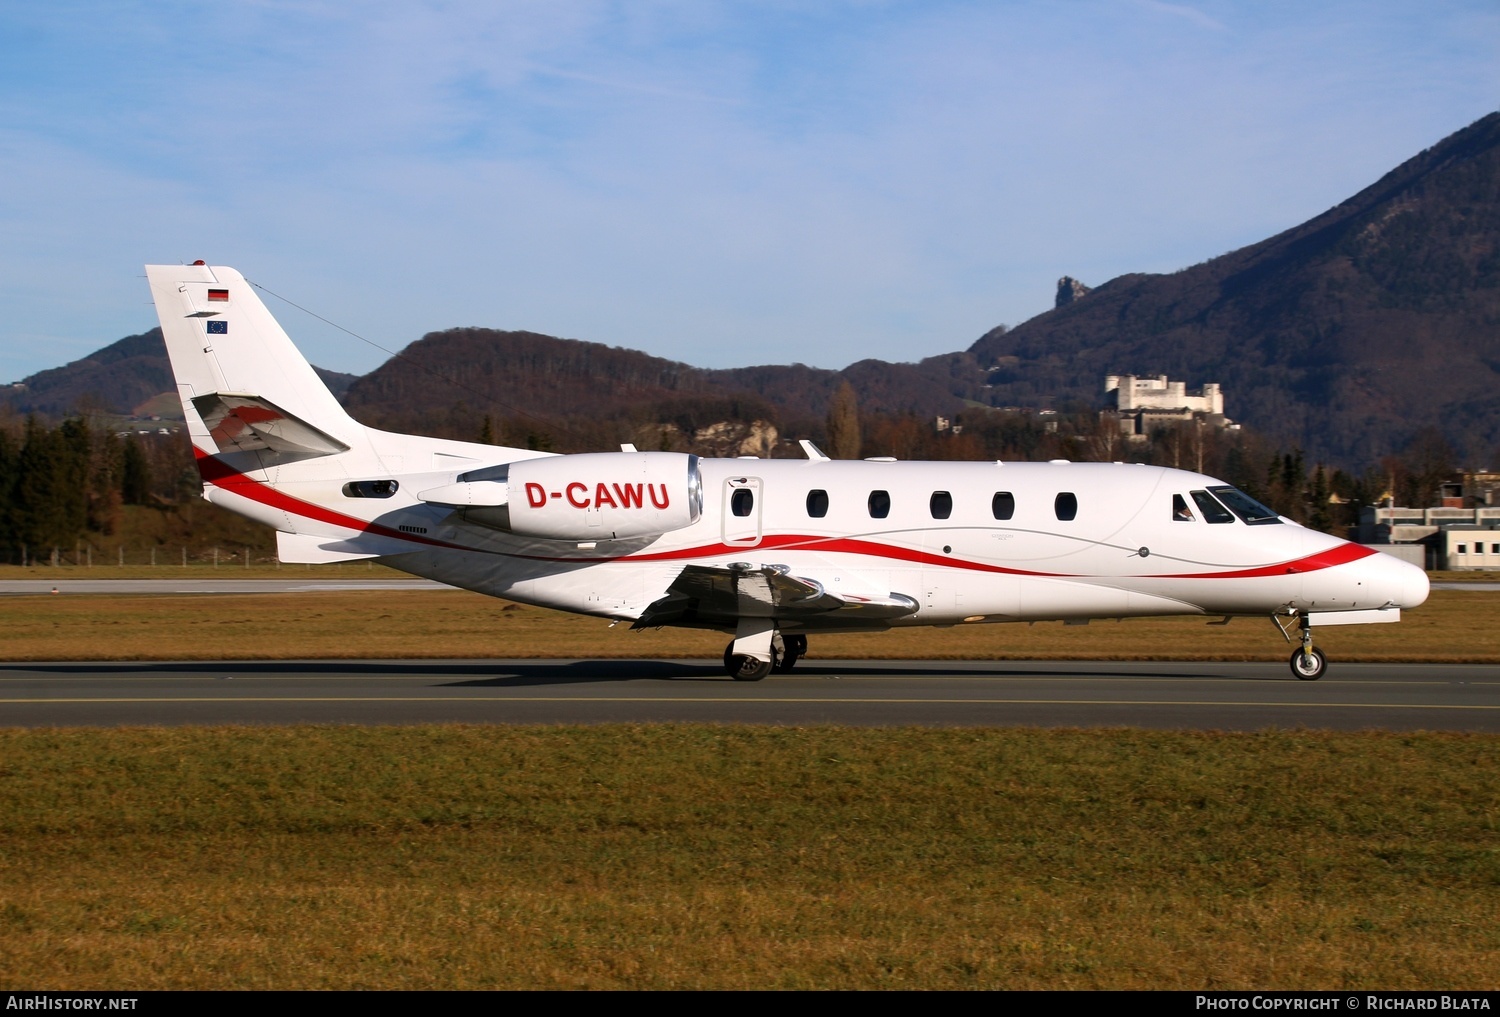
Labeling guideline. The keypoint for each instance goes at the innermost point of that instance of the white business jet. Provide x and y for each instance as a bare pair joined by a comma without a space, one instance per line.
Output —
768,551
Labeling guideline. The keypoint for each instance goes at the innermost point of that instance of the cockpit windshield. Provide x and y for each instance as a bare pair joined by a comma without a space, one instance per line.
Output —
1244,506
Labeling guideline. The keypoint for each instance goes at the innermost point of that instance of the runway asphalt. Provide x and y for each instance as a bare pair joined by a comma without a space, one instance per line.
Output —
1202,696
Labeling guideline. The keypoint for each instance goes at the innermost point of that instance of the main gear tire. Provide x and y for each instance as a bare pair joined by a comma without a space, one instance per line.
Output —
743,668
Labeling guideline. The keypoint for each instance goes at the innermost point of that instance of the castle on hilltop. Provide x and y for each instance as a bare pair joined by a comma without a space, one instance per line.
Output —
1144,404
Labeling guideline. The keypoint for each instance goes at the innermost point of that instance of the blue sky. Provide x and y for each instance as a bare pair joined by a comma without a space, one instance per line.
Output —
723,183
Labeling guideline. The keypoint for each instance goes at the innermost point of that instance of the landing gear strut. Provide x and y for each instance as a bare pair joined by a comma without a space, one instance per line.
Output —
792,649
1308,663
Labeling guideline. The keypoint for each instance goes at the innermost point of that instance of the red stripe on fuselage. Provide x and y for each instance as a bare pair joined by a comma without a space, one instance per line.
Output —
215,471
1342,554
1339,555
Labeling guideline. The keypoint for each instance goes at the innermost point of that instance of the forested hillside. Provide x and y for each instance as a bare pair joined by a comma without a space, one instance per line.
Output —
1345,336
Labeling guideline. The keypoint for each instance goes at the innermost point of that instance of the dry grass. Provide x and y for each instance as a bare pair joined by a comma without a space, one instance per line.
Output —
713,857
170,567
1452,626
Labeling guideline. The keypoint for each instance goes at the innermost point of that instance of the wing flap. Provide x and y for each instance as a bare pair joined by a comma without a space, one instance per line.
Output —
719,597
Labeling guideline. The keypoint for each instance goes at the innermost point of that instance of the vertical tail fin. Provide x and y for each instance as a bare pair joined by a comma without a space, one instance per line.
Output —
244,386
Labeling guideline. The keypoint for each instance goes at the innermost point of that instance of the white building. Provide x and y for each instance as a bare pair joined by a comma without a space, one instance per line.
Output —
1158,393
1436,538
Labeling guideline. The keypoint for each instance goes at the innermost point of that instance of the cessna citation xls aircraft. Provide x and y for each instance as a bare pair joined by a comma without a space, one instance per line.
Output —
771,552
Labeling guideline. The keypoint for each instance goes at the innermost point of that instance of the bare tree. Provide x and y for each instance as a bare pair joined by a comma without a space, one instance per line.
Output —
843,424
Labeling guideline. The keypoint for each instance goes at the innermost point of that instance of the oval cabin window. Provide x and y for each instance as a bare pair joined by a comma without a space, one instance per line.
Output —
742,502
1003,505
370,488
1066,506
880,504
817,504
941,504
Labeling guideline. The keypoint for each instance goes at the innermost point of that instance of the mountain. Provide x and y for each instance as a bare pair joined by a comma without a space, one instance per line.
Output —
122,377
1345,335
131,377
451,378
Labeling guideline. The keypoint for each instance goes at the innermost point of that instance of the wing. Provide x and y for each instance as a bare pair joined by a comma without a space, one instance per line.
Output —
719,597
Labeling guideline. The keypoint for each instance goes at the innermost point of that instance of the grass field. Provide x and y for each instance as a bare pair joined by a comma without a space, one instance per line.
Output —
712,857
1452,626
695,856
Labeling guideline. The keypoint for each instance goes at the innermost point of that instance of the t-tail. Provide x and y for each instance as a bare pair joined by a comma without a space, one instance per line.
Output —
246,391
272,442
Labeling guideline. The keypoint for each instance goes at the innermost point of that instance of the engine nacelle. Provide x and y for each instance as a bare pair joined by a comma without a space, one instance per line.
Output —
584,497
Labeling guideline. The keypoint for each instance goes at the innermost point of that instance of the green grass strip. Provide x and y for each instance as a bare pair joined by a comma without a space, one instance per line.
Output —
698,856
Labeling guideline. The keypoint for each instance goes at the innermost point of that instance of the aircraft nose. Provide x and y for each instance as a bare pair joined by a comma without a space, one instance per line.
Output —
1395,581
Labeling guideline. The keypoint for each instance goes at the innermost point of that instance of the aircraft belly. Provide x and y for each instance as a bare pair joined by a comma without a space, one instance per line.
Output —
1213,595
248,507
612,590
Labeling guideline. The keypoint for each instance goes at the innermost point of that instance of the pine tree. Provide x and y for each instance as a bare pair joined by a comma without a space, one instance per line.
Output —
9,545
135,473
1318,516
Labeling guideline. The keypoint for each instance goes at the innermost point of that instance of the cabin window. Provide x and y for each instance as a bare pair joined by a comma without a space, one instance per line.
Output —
370,488
941,504
817,504
1244,506
1066,506
1211,509
742,502
1180,511
1003,505
880,504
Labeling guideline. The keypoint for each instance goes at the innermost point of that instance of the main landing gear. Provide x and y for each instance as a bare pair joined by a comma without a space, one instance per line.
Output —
748,667
1308,662
744,668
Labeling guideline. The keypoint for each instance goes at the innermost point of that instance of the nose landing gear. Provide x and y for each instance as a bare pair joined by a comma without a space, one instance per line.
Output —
1308,662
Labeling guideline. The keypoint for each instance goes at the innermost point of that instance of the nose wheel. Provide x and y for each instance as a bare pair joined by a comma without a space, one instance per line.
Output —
1308,663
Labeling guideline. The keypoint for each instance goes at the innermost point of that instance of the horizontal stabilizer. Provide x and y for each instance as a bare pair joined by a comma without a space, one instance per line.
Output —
247,423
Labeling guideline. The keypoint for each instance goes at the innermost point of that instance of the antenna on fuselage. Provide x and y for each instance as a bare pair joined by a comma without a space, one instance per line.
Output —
812,451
